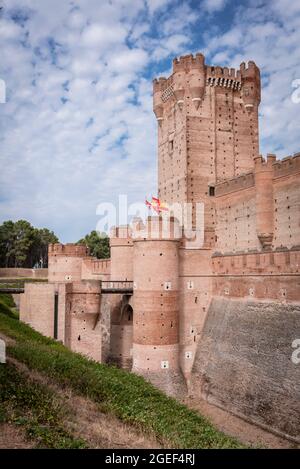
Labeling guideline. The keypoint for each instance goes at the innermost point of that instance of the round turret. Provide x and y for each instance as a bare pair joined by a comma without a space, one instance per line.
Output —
263,171
156,305
158,109
65,261
251,87
121,253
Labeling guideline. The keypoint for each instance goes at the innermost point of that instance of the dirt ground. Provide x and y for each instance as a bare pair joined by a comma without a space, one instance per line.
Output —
232,425
13,437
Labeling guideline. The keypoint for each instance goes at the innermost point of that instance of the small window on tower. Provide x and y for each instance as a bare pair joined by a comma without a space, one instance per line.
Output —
211,191
171,146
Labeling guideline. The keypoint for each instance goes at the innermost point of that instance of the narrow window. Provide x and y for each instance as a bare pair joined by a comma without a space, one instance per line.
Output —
55,315
211,191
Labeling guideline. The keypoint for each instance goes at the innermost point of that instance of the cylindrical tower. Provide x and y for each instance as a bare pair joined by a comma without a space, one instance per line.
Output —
263,171
121,253
197,79
251,87
64,262
156,305
158,108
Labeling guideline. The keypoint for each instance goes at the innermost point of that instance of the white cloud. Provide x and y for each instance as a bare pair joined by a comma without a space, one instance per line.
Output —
78,127
97,35
155,5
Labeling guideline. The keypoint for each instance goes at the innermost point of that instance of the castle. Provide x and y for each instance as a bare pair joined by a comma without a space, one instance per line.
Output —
215,319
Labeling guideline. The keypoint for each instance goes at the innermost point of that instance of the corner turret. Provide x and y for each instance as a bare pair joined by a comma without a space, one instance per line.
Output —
251,85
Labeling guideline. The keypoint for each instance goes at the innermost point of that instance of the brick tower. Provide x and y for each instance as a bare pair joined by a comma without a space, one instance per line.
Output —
207,132
121,317
156,304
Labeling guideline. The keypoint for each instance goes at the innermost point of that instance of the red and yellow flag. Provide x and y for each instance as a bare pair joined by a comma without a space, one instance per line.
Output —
156,205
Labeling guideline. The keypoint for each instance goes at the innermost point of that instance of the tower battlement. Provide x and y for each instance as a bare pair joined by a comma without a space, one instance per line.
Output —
260,163
158,228
222,72
159,84
187,62
287,166
69,250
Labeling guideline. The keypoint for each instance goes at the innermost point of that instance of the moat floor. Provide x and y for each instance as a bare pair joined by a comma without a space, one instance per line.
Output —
232,425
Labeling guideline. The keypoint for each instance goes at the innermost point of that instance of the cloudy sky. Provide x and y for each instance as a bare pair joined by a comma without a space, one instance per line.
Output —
78,129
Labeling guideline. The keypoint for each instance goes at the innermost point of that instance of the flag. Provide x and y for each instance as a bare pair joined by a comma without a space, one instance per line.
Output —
156,205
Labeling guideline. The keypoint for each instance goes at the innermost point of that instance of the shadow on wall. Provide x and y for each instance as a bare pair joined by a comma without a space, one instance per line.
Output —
121,338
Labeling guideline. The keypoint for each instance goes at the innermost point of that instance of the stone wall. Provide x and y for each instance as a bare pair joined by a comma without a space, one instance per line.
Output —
260,209
37,307
244,365
195,282
25,273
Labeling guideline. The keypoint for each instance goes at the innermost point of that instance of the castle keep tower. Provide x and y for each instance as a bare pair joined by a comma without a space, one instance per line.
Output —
207,132
156,304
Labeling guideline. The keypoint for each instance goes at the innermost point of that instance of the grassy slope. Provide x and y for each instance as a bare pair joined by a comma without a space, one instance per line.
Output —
125,395
34,407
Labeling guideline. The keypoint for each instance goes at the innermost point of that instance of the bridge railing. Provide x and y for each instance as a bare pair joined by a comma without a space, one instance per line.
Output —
116,286
107,286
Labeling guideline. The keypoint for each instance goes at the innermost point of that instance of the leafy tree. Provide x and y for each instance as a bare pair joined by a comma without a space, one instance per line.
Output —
22,245
43,237
6,244
98,243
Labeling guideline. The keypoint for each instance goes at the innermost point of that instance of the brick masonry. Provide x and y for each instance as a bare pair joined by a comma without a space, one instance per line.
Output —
243,362
217,318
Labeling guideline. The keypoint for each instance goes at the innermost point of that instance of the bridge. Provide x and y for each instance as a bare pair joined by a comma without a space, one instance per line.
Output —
117,286
15,286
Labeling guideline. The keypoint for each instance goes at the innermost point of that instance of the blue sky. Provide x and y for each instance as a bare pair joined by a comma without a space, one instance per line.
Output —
78,129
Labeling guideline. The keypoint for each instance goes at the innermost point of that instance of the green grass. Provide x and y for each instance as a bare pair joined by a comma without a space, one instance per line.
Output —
118,392
7,306
34,407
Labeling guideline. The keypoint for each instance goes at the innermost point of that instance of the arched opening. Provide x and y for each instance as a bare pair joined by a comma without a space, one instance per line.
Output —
127,314
121,339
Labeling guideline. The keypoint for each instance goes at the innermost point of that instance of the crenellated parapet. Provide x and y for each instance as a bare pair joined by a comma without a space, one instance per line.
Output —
224,77
65,262
287,166
245,181
69,250
121,235
188,62
191,76
158,227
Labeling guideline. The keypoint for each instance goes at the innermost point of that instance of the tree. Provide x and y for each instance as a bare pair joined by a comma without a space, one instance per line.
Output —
6,244
98,243
43,237
22,245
